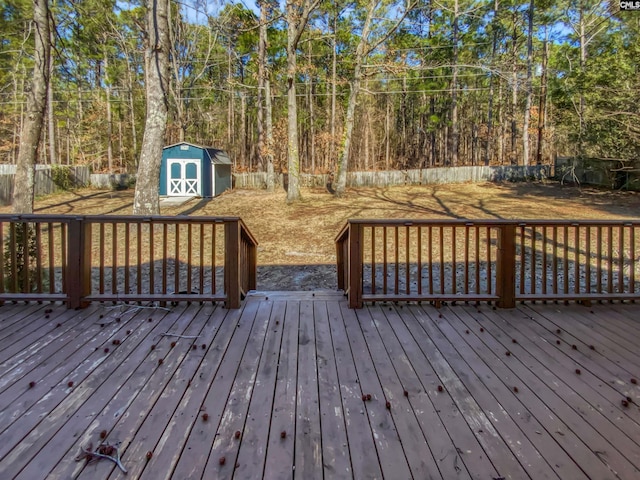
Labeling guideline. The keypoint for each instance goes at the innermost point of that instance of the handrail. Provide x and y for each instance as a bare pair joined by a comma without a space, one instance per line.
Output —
488,260
79,259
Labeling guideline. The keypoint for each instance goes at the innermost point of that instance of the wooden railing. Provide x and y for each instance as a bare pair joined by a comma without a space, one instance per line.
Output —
126,258
487,260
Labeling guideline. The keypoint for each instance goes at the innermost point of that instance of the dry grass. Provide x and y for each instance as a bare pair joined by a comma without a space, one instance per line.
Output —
296,241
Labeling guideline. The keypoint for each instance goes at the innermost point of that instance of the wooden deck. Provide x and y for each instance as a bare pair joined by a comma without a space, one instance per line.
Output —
533,392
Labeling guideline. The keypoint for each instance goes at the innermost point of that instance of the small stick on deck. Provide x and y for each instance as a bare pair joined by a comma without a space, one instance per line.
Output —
87,453
134,308
167,334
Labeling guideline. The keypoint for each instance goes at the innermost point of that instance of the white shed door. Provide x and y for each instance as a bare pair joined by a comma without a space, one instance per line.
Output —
183,178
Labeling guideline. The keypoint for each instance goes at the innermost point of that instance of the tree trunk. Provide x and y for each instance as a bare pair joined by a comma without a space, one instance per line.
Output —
514,99
361,52
503,128
132,113
146,200
271,181
529,92
262,74
107,91
293,154
297,12
230,106
312,133
334,80
494,46
387,134
453,150
543,102
53,158
583,64
36,106
243,129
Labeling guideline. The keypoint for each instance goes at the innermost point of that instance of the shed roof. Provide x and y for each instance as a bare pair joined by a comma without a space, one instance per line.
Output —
217,156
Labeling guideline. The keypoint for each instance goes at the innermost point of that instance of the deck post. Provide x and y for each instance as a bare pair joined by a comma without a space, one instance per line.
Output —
340,264
232,263
78,262
355,265
252,264
506,266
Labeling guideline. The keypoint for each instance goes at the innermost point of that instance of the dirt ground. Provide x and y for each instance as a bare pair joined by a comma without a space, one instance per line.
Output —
296,242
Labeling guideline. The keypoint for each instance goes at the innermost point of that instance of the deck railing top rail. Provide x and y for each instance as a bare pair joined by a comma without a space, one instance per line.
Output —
483,222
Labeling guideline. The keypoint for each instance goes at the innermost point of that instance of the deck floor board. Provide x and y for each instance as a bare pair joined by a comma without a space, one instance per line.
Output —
288,372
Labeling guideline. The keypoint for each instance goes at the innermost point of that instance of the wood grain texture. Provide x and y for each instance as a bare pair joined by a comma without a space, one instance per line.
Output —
299,364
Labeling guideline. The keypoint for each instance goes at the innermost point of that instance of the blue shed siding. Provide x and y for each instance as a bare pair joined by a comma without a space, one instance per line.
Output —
195,153
223,178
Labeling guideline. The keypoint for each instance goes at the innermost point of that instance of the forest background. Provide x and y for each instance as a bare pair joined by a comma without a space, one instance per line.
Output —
431,83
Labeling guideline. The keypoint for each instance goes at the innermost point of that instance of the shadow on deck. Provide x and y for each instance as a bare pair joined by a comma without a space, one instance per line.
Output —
280,389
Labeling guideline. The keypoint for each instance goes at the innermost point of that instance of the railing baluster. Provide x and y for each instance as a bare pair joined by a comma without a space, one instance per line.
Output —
165,254
523,259
150,227
454,266
2,262
419,260
13,253
476,230
26,274
384,260
620,259
544,260
489,276
555,260
189,256
430,259
441,259
102,254
213,258
587,263
114,258
52,263
38,257
632,259
599,258
407,260
176,270
373,259
610,259
565,264
396,273
127,266
139,252
201,263
63,249
576,256
467,240
534,277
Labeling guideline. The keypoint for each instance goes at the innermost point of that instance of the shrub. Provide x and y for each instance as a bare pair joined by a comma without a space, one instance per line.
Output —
16,261
63,177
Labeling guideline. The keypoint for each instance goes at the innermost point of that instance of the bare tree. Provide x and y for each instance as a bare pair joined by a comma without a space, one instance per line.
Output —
265,125
146,200
298,12
364,48
529,90
36,107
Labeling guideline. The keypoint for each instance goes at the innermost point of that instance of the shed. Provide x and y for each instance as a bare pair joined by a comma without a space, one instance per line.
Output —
191,170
